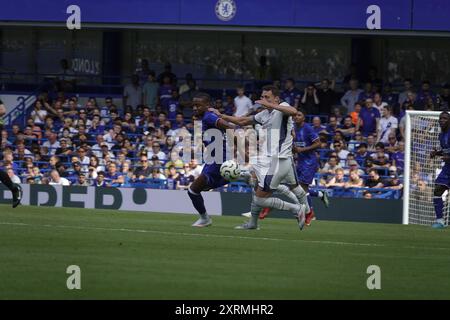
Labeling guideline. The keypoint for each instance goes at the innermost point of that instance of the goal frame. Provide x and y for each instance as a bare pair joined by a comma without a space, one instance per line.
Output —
407,169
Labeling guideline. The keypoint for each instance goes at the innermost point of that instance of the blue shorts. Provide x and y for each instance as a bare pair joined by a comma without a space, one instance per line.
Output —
306,172
444,176
213,177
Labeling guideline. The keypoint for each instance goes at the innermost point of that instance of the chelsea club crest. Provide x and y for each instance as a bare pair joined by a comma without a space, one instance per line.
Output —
225,9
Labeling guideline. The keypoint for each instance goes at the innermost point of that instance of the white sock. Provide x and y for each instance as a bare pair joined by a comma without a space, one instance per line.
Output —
277,204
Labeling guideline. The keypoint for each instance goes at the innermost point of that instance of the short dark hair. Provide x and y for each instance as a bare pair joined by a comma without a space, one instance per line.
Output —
380,145
361,145
275,91
203,96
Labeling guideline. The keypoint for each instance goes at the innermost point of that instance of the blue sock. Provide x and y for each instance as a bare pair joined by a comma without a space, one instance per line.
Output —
313,193
438,207
198,202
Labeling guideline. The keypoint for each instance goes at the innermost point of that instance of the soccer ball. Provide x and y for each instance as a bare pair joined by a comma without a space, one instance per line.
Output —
230,170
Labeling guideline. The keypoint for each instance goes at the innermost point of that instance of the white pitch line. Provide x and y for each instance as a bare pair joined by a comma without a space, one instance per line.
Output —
205,235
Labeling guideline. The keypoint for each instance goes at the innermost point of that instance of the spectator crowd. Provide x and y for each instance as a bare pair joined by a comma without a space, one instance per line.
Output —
135,141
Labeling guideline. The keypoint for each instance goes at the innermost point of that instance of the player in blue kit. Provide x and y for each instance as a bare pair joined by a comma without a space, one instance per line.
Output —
306,141
210,177
442,182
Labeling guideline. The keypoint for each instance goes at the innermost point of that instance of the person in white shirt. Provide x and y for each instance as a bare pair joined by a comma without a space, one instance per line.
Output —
52,144
378,102
242,104
156,150
387,125
38,114
341,152
56,179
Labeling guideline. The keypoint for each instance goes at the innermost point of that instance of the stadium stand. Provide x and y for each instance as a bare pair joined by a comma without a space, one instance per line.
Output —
126,140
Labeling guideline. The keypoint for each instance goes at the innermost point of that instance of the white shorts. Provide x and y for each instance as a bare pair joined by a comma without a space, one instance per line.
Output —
270,172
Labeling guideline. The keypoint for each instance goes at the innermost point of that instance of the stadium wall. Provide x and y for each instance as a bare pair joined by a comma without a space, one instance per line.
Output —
176,201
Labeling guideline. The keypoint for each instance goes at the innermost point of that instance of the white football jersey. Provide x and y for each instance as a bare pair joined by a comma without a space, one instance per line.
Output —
275,133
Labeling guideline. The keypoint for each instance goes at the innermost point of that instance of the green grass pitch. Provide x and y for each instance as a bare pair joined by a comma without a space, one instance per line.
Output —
125,255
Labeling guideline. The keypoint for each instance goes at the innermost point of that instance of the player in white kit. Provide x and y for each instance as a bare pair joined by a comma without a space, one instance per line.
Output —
274,163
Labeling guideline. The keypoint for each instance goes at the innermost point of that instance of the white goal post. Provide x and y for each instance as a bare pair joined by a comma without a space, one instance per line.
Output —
421,137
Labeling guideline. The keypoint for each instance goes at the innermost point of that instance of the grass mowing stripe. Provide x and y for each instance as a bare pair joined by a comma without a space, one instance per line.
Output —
339,243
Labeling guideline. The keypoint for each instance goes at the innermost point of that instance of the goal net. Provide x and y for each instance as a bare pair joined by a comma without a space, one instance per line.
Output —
422,136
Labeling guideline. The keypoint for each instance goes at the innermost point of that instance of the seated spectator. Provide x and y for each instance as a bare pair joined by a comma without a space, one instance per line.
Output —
81,181
354,180
398,157
338,180
172,178
355,142
317,125
52,143
380,160
179,121
143,171
347,129
127,174
374,180
156,162
64,152
341,152
393,182
332,126
379,149
392,145
184,179
175,161
56,179
371,143
156,150
330,167
156,174
353,165
114,177
100,180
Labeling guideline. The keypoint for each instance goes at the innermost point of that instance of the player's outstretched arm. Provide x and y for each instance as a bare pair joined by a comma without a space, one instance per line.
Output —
240,121
286,109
